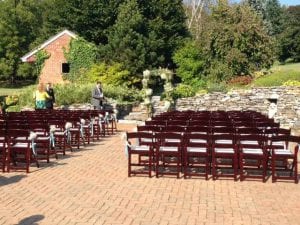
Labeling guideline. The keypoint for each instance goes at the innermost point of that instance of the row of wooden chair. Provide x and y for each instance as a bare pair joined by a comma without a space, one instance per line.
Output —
52,136
171,153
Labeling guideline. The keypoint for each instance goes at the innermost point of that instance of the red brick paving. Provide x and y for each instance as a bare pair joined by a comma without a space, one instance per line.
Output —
90,186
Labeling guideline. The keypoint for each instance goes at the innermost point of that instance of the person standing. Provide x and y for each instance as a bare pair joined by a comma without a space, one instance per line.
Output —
40,96
97,96
50,101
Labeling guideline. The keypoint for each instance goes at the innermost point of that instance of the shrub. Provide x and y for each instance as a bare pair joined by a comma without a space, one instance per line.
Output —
216,87
113,74
190,61
240,80
295,83
183,91
81,56
72,93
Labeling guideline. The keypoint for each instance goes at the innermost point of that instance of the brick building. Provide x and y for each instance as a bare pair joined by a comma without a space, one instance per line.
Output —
56,64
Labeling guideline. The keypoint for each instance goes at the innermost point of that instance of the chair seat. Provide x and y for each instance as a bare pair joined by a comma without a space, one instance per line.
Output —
148,140
2,145
224,150
42,139
140,148
223,141
20,138
252,151
249,142
198,141
39,133
168,149
283,152
20,145
196,149
173,140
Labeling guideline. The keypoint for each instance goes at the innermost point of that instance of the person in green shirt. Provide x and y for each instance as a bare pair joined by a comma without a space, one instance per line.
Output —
40,96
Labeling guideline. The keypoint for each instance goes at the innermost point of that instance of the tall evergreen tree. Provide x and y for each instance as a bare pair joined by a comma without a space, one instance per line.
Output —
126,42
274,16
20,23
90,19
289,40
166,29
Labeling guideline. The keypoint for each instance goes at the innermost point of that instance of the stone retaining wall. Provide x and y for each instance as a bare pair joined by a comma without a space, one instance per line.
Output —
258,99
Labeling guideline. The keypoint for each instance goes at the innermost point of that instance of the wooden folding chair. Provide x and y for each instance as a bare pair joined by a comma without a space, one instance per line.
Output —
3,149
224,156
253,156
196,155
168,153
282,150
20,150
141,145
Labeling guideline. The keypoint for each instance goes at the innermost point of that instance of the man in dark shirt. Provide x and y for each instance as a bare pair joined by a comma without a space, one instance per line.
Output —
50,92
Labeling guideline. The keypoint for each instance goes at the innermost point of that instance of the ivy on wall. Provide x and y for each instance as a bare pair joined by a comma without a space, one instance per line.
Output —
81,56
39,63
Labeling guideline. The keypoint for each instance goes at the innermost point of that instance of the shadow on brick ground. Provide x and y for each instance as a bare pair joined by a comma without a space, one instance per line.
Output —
10,180
31,220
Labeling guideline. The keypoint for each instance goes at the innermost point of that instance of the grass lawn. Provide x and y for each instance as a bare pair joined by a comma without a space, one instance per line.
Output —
8,89
279,75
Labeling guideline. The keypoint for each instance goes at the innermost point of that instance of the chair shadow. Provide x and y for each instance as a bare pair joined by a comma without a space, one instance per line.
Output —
11,180
31,220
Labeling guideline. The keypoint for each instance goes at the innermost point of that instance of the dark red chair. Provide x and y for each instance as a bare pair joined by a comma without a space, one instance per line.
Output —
196,155
282,150
3,149
20,151
253,156
141,145
168,153
224,156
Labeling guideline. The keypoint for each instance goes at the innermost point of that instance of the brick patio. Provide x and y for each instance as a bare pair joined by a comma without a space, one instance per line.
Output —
90,186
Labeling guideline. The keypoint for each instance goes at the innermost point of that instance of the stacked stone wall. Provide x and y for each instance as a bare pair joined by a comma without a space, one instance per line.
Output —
258,99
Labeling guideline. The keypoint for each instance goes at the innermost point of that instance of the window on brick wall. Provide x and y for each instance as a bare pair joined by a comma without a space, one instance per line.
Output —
65,67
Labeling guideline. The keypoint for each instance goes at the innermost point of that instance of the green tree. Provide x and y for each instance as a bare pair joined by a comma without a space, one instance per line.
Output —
258,6
166,30
233,43
274,16
191,63
289,40
238,40
126,42
20,23
90,19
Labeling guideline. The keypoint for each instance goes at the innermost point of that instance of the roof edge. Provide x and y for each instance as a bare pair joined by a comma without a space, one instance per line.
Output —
50,40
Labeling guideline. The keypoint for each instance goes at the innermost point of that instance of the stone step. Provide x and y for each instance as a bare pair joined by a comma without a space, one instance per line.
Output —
140,116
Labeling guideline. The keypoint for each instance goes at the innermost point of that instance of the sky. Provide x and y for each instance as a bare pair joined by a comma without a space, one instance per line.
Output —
284,2
289,2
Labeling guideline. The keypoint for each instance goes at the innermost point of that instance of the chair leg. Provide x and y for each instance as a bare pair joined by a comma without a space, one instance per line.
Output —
207,167
27,159
235,167
214,161
8,160
157,164
241,168
178,165
273,169
129,164
296,169
185,165
150,163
